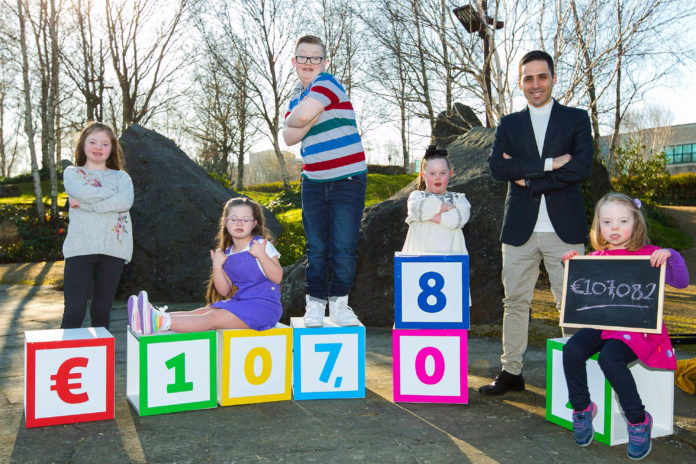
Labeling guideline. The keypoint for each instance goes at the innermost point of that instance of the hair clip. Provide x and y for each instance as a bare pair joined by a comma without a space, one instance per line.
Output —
432,151
637,202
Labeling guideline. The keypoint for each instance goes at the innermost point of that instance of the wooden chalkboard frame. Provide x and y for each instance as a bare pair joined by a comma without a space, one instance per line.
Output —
566,310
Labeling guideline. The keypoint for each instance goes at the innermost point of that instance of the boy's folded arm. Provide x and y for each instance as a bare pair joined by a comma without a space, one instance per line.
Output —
304,113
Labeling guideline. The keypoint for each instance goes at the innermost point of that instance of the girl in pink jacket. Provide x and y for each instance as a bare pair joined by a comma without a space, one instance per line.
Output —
619,228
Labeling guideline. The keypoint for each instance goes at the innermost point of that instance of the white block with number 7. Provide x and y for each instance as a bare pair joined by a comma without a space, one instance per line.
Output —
328,361
431,291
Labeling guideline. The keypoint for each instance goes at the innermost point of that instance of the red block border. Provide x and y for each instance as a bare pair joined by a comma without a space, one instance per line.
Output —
30,382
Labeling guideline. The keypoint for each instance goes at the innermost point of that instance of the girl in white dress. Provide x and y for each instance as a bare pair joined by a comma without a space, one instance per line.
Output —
436,216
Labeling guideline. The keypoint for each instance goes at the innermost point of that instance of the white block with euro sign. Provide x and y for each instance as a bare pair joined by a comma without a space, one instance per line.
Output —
171,372
431,291
68,376
328,361
655,387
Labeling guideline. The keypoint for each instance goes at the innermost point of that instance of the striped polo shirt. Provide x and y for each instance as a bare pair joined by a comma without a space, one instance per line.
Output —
332,149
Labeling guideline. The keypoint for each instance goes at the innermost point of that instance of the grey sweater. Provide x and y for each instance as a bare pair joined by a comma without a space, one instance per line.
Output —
101,224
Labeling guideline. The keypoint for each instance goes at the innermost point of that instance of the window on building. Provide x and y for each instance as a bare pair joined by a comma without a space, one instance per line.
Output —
685,153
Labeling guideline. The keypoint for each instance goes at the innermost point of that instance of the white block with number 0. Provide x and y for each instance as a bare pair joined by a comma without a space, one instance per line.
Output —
254,366
431,291
430,366
328,361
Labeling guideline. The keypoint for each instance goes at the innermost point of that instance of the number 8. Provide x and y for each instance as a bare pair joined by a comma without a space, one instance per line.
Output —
434,290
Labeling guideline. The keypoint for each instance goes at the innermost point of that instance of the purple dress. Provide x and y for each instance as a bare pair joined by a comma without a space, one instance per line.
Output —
257,300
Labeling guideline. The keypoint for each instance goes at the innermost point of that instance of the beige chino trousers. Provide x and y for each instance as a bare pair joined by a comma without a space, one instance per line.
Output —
520,274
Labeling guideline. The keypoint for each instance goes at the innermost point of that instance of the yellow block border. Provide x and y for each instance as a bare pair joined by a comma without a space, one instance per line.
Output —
224,337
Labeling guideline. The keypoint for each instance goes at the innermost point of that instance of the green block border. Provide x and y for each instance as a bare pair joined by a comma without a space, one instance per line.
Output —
605,437
211,336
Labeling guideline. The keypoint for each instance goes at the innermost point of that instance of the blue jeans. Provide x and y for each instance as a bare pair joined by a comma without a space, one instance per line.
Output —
614,355
331,213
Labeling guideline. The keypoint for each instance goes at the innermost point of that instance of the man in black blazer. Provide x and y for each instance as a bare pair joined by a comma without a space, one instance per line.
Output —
543,152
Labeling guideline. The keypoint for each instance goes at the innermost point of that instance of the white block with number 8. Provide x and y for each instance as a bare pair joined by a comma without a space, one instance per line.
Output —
431,291
328,362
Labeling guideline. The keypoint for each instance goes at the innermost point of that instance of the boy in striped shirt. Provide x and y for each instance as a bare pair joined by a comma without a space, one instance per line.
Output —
334,177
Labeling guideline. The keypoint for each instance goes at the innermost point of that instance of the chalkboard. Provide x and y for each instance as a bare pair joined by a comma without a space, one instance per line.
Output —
613,292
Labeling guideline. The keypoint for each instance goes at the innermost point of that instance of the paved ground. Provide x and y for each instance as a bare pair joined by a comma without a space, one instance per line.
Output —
511,429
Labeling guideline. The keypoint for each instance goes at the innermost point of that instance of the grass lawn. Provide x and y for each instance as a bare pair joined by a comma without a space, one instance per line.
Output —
27,196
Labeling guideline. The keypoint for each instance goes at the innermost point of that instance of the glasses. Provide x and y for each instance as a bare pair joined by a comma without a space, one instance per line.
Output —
311,59
245,219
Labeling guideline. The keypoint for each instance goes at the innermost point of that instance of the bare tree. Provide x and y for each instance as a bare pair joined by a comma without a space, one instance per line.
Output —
389,66
213,108
266,41
141,53
85,58
9,72
28,122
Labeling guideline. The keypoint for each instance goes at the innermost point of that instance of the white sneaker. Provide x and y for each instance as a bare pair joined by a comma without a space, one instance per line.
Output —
340,313
314,312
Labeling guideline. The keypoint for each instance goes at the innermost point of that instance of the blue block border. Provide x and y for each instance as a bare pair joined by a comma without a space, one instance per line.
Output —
298,394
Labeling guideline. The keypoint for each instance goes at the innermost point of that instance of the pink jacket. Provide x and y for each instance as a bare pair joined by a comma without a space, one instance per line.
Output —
654,350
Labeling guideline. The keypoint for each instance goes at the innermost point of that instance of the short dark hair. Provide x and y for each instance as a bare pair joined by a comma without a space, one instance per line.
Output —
537,55
310,39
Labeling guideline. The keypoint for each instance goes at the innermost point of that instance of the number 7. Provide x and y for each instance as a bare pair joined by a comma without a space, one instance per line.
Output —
333,349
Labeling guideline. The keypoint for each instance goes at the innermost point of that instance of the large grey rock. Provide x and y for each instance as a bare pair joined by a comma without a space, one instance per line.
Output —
453,123
175,219
383,231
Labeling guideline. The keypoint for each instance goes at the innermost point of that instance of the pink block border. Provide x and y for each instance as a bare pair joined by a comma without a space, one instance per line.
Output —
463,373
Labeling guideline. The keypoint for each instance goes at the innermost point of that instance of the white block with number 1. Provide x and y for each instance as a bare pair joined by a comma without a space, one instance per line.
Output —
431,291
328,361
171,372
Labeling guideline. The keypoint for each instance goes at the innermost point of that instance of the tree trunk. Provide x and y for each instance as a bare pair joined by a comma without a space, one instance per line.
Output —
28,125
51,113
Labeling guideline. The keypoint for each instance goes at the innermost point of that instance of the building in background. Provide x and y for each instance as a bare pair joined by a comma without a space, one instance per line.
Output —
678,143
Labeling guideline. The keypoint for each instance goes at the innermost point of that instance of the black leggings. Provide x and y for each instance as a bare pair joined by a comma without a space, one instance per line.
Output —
614,355
96,273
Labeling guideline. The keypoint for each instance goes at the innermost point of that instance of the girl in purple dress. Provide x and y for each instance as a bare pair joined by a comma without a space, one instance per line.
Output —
618,228
244,288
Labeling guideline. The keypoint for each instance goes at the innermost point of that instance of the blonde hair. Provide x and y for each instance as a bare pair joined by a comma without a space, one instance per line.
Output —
431,153
639,236
115,159
224,240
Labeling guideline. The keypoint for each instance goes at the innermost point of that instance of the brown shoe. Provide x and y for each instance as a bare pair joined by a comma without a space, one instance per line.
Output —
503,383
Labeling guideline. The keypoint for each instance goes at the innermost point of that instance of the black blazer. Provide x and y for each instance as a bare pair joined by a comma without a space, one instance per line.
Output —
568,131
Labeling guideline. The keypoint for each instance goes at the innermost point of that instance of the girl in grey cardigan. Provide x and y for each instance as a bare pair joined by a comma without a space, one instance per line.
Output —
100,239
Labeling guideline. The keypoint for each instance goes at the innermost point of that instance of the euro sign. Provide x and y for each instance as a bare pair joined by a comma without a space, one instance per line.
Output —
63,376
